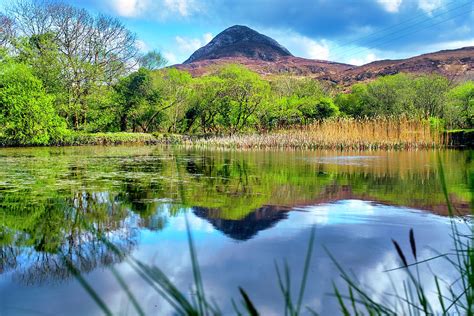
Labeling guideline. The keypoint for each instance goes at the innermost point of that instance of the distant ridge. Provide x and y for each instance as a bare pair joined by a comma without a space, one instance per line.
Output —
260,53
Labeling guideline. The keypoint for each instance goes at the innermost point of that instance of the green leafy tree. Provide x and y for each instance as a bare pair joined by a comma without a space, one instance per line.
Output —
174,88
27,114
203,105
300,100
93,50
353,104
152,60
42,53
242,94
319,109
429,95
461,106
136,98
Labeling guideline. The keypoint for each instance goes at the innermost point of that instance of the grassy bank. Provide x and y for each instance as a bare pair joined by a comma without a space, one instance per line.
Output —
121,138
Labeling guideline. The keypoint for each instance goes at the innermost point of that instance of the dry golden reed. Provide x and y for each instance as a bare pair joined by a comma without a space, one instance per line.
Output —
341,133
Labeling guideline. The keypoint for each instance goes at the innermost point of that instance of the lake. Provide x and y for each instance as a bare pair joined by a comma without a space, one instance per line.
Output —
246,210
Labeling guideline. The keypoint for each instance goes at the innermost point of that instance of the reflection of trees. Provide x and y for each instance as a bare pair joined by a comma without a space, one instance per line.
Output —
85,256
38,246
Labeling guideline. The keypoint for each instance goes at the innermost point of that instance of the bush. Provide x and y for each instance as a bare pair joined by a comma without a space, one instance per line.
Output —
27,114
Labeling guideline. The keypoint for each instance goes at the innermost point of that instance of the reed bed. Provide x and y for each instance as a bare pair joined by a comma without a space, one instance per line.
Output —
342,133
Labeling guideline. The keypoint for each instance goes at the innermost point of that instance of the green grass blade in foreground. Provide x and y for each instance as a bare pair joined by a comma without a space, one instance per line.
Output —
92,293
125,287
307,262
248,303
201,297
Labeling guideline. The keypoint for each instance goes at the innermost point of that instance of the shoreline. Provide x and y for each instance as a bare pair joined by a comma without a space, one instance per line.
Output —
460,139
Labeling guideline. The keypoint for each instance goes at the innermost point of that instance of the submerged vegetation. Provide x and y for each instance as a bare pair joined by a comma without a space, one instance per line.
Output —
66,73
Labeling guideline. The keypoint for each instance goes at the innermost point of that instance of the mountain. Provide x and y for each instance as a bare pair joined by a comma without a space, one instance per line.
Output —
240,41
262,54
455,64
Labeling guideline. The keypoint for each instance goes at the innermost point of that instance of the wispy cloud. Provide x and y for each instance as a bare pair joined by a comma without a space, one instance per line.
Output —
303,46
430,5
188,45
370,57
154,8
391,6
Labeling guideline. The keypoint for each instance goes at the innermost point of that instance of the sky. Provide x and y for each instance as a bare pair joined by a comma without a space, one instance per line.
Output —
350,31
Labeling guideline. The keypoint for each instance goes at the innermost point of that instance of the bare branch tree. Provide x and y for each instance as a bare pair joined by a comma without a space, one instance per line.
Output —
6,30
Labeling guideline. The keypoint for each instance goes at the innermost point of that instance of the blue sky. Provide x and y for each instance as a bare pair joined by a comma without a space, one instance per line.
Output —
352,31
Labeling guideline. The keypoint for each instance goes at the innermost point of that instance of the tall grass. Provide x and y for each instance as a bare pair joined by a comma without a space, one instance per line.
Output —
341,133
453,298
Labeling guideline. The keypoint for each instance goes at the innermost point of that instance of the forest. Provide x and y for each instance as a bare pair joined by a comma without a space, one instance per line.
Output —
65,72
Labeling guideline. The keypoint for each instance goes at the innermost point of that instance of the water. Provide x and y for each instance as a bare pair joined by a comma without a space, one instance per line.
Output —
245,209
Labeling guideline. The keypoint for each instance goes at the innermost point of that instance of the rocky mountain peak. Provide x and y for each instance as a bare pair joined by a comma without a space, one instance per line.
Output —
240,41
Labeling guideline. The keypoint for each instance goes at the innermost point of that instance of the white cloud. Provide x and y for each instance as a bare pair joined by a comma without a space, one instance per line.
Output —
316,50
171,58
142,46
182,7
207,37
154,8
189,45
302,46
391,6
129,8
370,57
430,5
449,45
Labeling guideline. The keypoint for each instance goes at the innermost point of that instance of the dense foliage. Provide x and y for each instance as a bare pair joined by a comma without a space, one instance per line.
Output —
63,68
27,114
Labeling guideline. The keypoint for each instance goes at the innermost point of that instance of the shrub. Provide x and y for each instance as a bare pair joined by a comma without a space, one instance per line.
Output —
27,114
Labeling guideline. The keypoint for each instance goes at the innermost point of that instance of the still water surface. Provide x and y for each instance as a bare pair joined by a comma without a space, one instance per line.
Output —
246,211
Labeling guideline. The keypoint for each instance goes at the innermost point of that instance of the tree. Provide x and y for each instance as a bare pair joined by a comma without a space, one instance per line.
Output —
243,94
429,97
94,50
152,60
42,54
461,106
300,100
353,104
27,114
7,30
136,98
204,103
319,109
174,88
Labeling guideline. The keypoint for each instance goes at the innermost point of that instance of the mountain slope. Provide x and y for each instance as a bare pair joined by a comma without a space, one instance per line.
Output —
456,64
262,54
